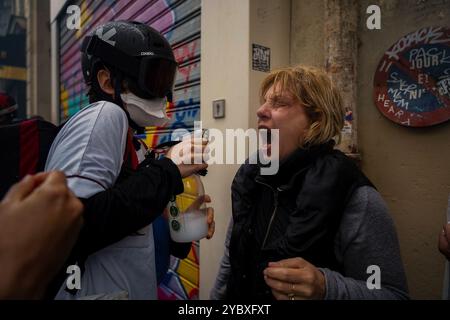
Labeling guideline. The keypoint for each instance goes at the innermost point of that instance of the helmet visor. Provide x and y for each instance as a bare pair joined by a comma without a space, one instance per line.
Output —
157,76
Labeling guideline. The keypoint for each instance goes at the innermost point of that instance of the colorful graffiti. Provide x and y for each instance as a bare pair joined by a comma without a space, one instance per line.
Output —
162,15
179,21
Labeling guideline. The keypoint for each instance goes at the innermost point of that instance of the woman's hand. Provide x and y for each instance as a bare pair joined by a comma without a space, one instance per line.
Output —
295,279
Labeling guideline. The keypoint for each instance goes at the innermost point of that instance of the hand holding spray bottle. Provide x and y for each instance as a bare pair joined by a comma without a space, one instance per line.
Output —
190,225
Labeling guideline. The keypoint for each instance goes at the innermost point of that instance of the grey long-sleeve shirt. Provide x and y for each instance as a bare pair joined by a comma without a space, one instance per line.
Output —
366,237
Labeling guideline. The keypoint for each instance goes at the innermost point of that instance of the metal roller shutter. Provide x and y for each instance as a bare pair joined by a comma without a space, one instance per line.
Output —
179,21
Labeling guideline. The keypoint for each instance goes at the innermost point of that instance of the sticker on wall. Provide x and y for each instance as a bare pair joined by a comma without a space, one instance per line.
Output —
261,58
412,81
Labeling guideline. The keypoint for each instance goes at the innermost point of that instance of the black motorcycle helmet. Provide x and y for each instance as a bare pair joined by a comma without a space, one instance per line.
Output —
134,53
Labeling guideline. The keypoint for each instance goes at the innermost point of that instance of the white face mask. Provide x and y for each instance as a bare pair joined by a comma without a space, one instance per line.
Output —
144,112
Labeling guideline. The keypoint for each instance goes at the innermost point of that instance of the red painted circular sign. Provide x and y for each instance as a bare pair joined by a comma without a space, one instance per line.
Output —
412,81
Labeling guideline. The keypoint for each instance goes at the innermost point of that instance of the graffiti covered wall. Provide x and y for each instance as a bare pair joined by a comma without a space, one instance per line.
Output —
179,21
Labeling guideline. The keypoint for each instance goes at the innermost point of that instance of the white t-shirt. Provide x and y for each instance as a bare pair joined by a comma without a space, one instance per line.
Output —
89,149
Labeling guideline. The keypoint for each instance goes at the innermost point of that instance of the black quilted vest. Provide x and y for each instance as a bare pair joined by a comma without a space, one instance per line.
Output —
295,213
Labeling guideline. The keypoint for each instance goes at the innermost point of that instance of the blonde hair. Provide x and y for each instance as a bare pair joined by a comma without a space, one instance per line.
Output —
314,90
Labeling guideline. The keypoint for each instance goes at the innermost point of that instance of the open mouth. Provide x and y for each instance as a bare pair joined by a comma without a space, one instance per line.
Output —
269,136
265,135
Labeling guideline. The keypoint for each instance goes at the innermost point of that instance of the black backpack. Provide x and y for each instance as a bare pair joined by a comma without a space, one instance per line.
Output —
25,146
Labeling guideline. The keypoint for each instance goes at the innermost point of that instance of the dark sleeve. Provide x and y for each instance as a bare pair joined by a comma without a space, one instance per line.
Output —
367,240
130,205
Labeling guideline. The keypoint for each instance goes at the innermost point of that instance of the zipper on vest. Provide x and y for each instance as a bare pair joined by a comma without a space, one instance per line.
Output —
272,217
